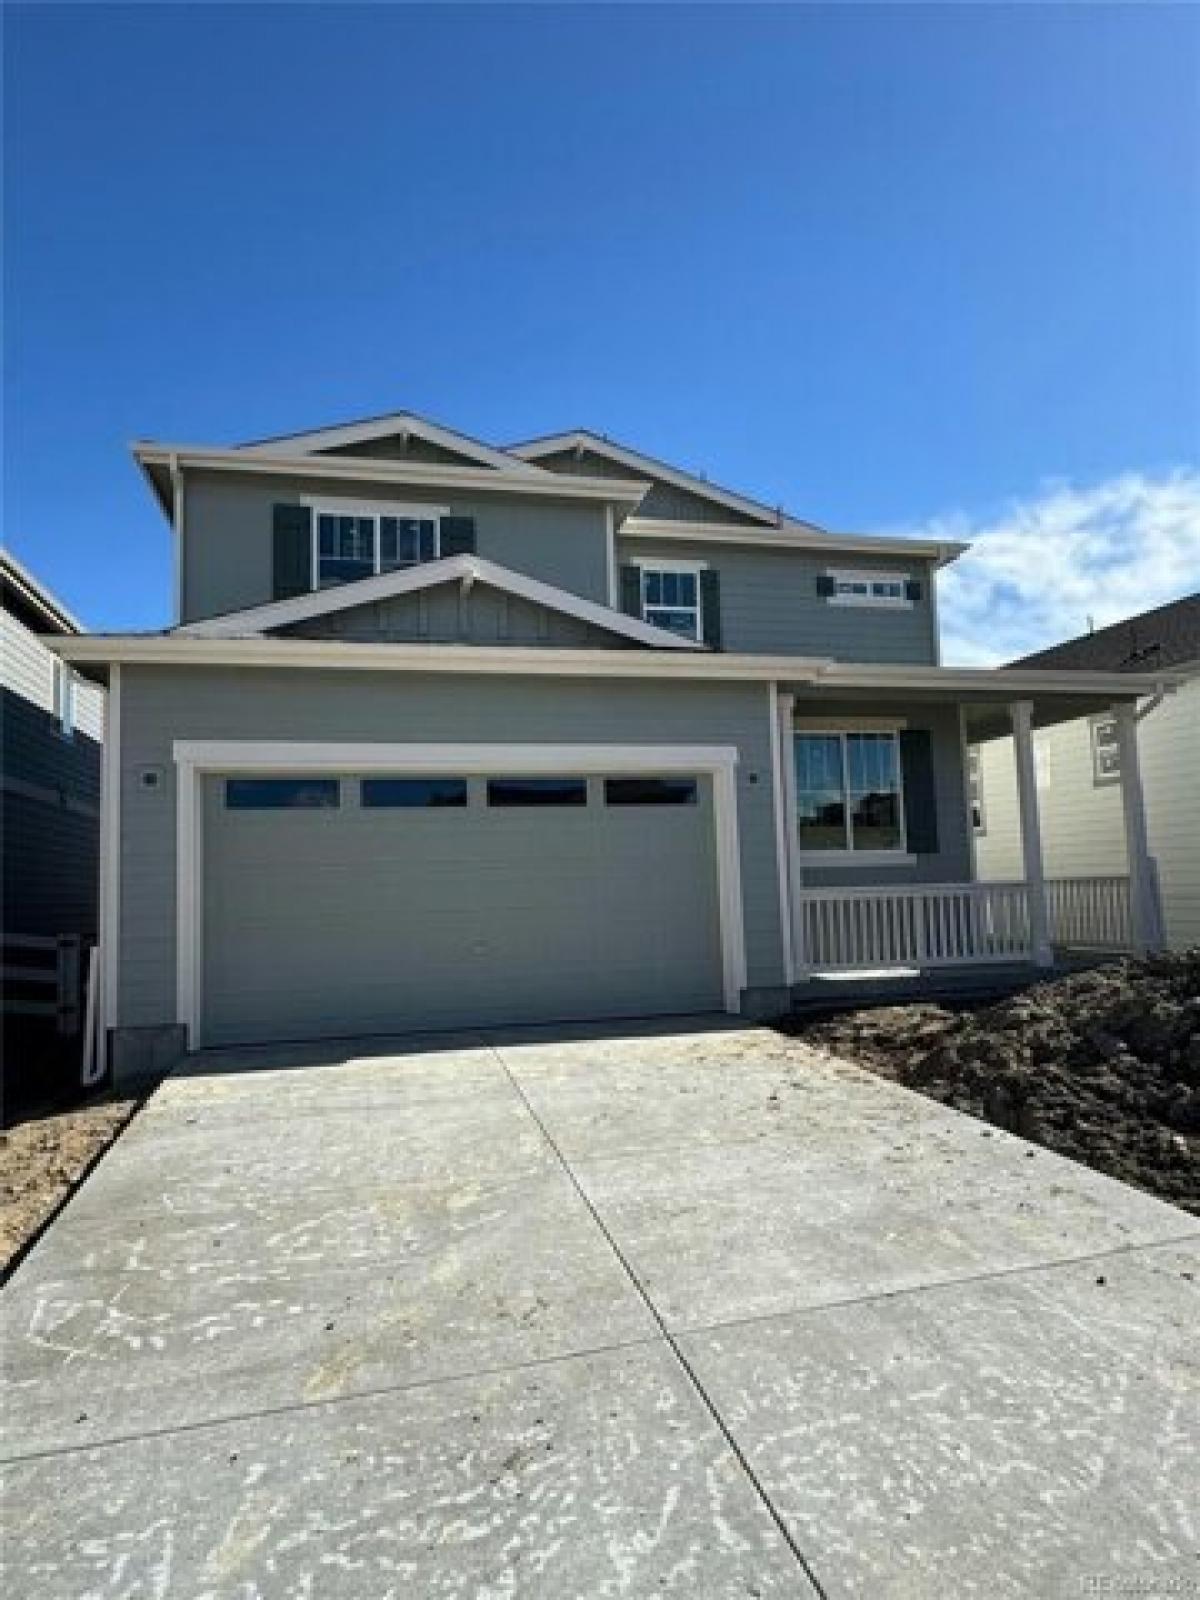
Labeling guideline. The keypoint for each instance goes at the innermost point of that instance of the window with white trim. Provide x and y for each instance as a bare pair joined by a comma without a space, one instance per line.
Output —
849,792
671,599
851,588
975,790
1106,750
351,545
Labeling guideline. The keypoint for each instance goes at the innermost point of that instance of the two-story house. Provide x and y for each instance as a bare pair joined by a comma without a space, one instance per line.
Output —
449,735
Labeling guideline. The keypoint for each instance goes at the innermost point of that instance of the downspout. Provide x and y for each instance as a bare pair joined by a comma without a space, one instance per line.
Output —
177,513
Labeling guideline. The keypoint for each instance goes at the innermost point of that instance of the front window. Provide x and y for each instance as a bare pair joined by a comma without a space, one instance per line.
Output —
350,546
671,599
848,794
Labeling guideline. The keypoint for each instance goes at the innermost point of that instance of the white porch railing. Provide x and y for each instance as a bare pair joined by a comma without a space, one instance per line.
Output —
955,924
1090,913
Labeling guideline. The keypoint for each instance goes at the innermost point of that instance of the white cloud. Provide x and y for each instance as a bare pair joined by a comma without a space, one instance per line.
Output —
1041,567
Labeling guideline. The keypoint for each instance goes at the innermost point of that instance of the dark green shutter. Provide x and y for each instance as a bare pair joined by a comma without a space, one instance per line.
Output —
710,607
292,551
920,790
458,536
631,591
912,589
825,585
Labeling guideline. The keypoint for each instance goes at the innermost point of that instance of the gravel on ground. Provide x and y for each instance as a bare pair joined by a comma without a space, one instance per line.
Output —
43,1158
1102,1066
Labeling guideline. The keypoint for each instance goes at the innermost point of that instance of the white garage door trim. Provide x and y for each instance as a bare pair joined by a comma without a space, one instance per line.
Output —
197,758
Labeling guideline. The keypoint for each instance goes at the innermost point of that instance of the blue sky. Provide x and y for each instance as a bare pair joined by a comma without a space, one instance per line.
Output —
896,267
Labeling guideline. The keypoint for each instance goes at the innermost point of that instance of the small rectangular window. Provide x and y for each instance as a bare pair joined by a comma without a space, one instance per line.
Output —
650,791
868,589
671,599
282,794
537,792
414,793
1106,750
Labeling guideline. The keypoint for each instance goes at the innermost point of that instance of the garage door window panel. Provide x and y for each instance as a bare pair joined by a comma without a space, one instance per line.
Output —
282,794
505,793
416,794
650,791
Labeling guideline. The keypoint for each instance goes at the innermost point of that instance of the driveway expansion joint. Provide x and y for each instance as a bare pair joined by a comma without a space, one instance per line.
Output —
685,1365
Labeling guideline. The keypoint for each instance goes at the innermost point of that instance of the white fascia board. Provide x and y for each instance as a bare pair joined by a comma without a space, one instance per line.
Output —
791,536
384,427
359,469
430,575
343,655
1001,681
595,445
808,671
290,755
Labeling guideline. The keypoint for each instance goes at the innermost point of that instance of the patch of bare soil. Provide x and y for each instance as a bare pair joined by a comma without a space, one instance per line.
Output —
1102,1066
42,1159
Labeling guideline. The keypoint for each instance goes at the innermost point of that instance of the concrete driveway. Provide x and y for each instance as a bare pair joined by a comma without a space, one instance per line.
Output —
692,1313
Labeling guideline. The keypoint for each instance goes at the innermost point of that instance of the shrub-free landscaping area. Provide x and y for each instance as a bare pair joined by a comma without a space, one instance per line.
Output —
1102,1066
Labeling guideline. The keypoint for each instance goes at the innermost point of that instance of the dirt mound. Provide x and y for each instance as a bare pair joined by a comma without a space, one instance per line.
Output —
1103,1066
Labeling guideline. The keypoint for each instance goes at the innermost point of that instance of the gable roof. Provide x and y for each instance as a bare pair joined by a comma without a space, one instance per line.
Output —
551,444
255,620
1168,636
31,602
388,426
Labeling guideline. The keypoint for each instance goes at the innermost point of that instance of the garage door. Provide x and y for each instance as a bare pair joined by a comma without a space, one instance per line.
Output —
362,904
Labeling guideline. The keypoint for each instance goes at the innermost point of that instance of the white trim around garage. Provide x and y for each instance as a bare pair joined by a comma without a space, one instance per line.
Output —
197,758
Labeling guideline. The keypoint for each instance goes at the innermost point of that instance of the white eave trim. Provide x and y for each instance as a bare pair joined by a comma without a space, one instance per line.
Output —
365,469
403,422
792,536
533,449
549,661
430,575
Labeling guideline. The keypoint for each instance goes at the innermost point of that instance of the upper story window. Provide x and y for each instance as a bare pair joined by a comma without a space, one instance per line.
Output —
671,598
851,588
848,791
350,545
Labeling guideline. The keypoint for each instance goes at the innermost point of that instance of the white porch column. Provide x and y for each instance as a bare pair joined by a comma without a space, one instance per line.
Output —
1021,715
1143,896
795,873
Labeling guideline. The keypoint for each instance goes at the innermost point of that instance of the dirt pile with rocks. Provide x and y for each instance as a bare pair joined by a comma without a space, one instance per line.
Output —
1102,1066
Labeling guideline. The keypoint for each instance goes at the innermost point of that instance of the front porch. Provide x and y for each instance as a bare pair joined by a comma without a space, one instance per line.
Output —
877,858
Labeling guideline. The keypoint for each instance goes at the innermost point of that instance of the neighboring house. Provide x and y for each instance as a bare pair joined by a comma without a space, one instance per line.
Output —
1078,767
448,735
51,727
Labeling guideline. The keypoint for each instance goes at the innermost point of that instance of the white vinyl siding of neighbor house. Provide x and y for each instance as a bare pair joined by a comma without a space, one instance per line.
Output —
36,674
1083,829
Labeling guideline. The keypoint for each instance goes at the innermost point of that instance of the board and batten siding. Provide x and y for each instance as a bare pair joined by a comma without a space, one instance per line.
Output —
951,861
449,615
160,705
770,604
1083,825
228,538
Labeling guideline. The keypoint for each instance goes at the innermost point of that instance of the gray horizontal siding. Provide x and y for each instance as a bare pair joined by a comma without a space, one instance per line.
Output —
228,540
951,862
770,604
160,705
49,822
664,500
